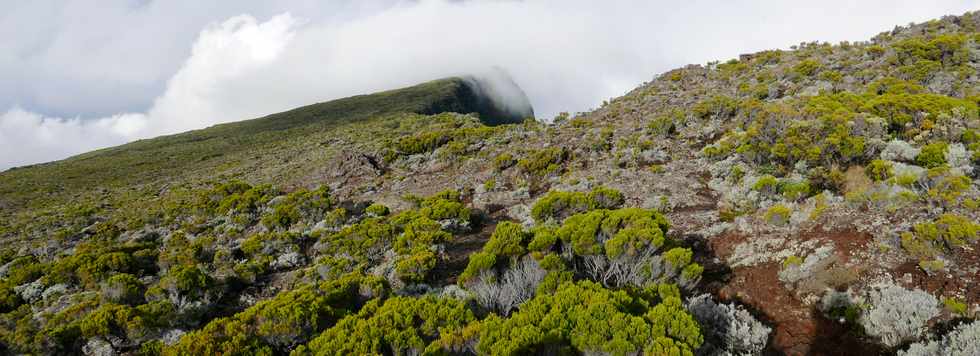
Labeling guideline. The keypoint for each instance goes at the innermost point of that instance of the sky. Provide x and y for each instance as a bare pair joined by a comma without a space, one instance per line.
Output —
78,75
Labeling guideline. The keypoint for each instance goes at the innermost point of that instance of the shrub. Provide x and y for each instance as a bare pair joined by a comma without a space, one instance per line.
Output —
795,190
806,67
478,262
961,341
728,329
377,209
951,229
299,205
879,170
400,325
932,155
123,288
766,184
719,106
543,162
503,161
592,319
778,214
414,268
956,306
422,143
508,240
558,205
896,315
275,325
515,286
444,205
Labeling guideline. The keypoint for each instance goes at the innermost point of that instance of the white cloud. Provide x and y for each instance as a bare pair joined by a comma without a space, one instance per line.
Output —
567,55
222,52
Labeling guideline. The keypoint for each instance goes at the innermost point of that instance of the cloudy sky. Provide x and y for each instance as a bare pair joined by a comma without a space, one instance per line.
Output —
77,75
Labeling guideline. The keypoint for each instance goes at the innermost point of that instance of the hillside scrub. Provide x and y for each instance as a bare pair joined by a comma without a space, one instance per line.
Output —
756,205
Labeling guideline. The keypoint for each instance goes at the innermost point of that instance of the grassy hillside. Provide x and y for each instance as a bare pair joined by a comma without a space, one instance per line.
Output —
224,147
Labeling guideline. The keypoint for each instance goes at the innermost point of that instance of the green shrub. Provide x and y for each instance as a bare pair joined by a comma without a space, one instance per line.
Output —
543,162
556,204
478,262
299,205
956,306
932,155
414,268
399,325
766,184
806,68
508,240
592,319
503,161
276,325
778,214
123,288
719,106
792,261
795,190
186,281
377,209
929,239
422,143
879,170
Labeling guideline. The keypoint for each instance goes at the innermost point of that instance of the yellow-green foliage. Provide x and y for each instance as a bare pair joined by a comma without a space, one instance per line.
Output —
478,262
932,155
557,204
666,124
806,67
793,260
630,230
879,170
590,318
508,240
503,161
956,306
399,325
900,109
795,190
123,288
237,197
821,128
948,49
718,106
377,209
423,142
456,138
543,162
766,184
276,325
299,205
931,238
778,214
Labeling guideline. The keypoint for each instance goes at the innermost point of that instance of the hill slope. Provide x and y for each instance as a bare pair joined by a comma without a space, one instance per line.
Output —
820,200
201,152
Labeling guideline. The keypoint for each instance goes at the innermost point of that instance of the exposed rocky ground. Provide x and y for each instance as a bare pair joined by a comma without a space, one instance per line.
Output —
821,200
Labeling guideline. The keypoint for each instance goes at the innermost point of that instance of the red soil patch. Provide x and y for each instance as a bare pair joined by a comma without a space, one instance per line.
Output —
957,281
798,329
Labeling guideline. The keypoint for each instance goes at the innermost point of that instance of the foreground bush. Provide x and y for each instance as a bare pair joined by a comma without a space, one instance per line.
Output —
592,319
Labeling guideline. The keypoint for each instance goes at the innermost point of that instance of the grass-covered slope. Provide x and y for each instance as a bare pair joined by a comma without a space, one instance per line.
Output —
222,147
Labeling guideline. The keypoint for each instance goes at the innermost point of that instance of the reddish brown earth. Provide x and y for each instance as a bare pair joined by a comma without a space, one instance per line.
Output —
962,284
798,329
